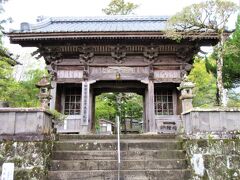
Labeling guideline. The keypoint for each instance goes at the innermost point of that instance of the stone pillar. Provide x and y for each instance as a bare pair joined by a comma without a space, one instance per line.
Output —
53,93
186,87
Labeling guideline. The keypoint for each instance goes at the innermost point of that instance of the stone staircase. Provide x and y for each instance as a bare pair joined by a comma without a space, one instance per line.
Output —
94,157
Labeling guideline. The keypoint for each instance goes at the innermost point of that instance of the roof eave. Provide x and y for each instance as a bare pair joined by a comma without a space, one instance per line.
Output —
46,36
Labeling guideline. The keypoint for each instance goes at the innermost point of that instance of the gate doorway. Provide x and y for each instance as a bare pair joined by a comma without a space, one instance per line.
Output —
128,106
123,98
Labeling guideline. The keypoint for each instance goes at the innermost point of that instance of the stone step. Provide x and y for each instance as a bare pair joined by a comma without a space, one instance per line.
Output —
125,155
103,145
60,165
168,174
122,136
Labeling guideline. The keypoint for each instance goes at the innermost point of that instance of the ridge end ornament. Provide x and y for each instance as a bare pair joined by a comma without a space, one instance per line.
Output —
118,53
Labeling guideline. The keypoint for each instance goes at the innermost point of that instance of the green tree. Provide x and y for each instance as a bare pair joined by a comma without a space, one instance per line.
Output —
119,7
6,79
24,93
6,63
231,66
234,99
205,84
109,105
206,17
21,93
104,107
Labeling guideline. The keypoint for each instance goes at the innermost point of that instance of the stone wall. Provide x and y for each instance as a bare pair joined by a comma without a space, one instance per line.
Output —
26,139
218,120
25,121
211,158
31,159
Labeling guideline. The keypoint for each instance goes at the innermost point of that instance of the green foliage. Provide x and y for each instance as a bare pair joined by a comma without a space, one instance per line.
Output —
130,106
133,107
24,93
5,78
198,20
18,94
6,72
234,99
104,108
59,117
205,84
231,66
207,16
120,7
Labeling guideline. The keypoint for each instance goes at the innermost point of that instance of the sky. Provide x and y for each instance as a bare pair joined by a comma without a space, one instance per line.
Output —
28,10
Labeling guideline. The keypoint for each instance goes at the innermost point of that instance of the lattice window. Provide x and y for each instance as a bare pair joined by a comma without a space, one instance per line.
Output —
163,101
72,101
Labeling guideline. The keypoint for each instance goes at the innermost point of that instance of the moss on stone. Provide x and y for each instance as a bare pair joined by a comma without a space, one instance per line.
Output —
31,159
21,175
202,143
221,157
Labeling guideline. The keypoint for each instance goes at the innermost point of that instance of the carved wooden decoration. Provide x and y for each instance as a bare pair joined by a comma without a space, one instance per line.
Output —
151,53
49,54
186,53
86,54
52,56
118,53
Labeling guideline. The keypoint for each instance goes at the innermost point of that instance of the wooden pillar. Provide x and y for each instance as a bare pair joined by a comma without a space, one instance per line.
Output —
93,118
151,112
53,95
144,113
91,125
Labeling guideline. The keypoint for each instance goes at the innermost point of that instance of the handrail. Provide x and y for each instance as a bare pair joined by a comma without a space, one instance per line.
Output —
118,146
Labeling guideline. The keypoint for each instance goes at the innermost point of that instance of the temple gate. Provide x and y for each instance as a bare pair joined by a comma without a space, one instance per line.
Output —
90,55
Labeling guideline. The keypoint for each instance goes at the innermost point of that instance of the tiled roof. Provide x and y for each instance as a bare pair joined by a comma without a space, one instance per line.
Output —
100,24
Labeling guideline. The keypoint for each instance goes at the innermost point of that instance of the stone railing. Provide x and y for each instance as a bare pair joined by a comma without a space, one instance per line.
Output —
24,123
217,120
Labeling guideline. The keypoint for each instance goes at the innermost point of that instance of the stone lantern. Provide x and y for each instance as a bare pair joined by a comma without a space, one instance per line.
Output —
44,95
186,87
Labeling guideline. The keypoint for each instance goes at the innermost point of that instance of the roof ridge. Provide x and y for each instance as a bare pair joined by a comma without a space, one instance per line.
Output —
109,18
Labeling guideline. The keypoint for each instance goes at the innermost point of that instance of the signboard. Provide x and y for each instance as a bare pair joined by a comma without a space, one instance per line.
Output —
124,73
73,74
117,69
167,74
85,101
7,171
